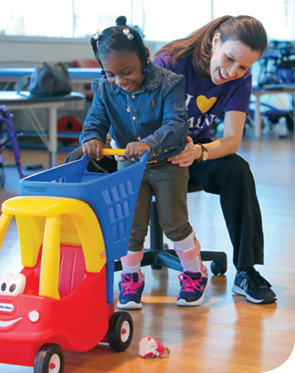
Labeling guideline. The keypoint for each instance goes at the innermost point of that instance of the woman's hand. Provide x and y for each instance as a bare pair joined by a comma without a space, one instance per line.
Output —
93,149
134,150
188,155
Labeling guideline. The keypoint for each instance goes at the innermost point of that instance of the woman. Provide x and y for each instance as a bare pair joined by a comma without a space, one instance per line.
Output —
215,61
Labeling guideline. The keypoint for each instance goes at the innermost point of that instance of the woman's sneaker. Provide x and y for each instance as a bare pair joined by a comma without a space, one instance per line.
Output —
254,287
194,285
131,287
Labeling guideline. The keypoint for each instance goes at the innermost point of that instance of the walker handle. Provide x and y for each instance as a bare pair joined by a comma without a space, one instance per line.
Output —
110,151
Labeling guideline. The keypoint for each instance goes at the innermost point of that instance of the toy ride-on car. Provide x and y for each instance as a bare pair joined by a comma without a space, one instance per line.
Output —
72,225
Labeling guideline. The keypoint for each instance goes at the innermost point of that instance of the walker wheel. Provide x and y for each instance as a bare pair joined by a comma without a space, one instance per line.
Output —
120,331
49,359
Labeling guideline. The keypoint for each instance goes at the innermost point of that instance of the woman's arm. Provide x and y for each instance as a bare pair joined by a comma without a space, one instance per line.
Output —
233,129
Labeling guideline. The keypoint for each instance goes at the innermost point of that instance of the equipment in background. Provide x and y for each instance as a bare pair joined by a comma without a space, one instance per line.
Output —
70,127
12,138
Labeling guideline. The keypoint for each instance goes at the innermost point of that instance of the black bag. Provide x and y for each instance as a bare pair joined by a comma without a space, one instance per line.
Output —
48,79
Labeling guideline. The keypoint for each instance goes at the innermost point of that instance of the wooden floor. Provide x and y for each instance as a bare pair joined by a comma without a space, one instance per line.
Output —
225,333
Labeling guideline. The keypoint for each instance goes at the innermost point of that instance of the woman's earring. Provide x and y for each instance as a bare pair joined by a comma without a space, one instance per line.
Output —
215,40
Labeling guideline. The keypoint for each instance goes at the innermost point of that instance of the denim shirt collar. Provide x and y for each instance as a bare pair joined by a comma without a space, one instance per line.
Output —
151,81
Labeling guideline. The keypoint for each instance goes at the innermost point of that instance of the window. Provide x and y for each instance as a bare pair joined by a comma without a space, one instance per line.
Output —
277,16
60,18
166,21
160,20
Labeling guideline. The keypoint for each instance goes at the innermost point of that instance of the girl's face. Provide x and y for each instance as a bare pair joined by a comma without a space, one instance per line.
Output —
124,69
230,60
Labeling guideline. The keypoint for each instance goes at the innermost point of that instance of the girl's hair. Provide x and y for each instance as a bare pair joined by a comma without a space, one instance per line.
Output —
117,39
246,29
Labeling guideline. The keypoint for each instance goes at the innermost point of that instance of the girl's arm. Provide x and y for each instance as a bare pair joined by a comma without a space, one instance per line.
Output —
233,130
171,134
97,123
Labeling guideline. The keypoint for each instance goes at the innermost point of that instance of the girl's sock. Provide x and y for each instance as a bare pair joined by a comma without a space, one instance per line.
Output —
131,262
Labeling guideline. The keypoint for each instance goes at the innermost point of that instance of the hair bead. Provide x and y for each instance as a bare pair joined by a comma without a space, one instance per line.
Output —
97,35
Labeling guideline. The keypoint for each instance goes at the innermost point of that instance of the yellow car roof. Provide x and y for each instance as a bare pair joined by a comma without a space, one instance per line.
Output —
41,206
31,213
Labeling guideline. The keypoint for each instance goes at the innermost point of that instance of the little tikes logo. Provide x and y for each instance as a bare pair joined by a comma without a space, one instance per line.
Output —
103,254
204,104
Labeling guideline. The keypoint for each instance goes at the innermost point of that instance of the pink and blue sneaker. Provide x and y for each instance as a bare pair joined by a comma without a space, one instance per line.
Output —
194,285
131,287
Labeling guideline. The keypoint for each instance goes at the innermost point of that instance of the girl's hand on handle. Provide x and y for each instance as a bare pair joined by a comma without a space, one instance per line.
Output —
188,155
134,150
93,148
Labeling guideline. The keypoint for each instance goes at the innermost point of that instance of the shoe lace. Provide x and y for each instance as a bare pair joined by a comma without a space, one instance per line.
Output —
188,284
258,280
128,285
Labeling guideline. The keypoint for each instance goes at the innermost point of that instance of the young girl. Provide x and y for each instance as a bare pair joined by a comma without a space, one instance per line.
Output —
143,107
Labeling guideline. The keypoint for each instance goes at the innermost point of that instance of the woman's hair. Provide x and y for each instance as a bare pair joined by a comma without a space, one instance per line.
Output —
246,29
118,39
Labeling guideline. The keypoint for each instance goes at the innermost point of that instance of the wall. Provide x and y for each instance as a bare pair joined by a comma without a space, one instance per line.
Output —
20,51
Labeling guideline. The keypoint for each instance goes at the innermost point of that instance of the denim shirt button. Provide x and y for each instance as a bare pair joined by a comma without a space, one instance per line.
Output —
133,96
133,117
139,138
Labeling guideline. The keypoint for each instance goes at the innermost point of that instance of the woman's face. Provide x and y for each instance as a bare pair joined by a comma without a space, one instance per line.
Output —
124,69
230,60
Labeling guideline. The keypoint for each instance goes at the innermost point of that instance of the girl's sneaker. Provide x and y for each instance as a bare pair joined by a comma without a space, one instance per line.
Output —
131,287
194,285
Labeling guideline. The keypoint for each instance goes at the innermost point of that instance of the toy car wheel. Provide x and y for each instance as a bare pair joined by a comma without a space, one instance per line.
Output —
49,359
120,331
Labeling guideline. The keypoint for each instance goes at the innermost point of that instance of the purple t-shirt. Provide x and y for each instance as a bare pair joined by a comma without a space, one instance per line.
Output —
204,99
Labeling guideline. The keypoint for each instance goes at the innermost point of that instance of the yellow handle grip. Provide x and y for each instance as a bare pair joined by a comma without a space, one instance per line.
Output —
107,151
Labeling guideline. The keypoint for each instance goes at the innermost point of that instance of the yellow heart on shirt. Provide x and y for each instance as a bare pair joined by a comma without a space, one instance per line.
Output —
204,103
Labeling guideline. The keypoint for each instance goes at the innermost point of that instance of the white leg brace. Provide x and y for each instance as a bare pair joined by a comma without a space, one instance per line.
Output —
188,251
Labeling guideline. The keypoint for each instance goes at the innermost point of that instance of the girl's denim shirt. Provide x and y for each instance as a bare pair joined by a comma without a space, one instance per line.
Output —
156,115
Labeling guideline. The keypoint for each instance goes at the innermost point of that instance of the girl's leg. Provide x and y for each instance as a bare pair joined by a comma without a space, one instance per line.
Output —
170,188
232,179
132,279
